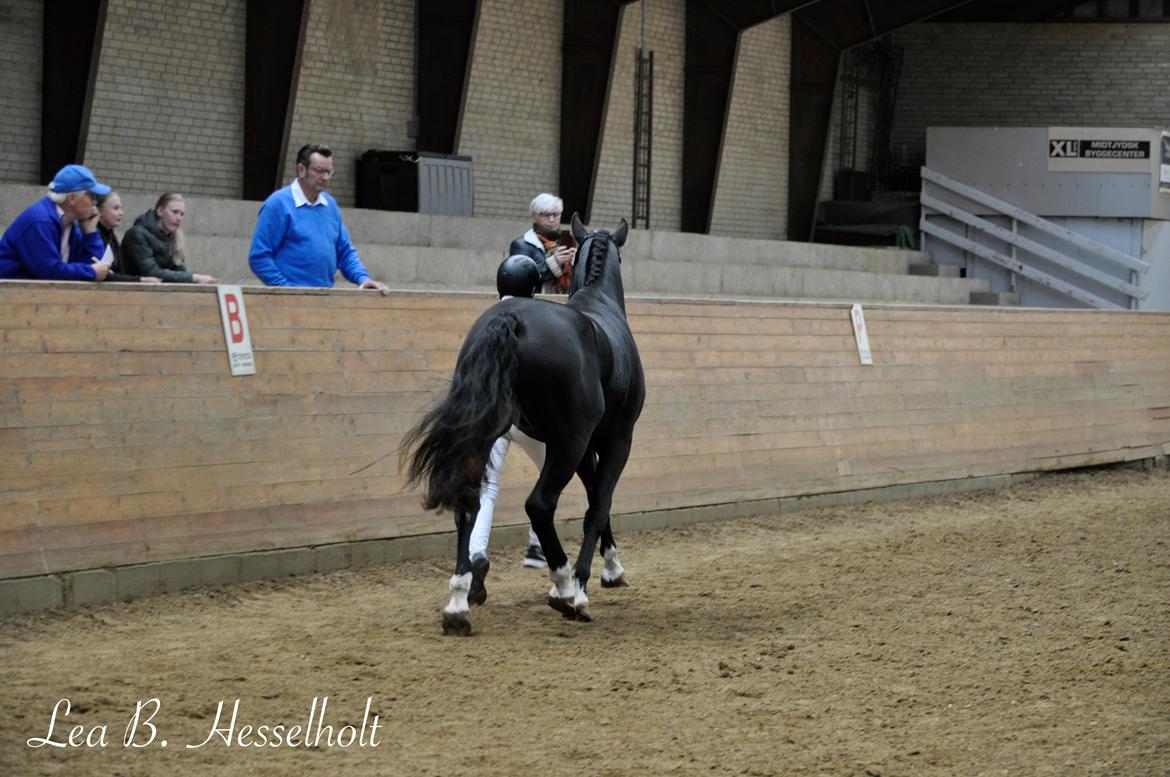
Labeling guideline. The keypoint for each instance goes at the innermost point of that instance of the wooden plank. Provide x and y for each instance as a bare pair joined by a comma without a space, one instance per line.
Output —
172,457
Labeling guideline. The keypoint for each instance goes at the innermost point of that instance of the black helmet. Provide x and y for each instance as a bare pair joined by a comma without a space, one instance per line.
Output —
518,276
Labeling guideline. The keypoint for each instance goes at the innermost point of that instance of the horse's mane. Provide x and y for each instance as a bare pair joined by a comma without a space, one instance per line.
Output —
598,252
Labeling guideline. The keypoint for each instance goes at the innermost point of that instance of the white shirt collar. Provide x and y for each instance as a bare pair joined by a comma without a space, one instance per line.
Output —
299,198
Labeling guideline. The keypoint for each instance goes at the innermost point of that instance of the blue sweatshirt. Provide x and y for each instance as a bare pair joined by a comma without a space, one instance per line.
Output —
31,247
302,246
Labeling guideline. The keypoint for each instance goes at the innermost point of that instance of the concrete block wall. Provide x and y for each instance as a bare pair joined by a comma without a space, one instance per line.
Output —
613,188
168,106
356,87
511,116
21,28
751,193
1028,75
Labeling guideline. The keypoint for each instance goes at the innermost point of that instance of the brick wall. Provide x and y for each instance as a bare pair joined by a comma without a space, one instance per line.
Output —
511,120
169,88
613,192
21,27
168,107
356,88
751,194
1029,75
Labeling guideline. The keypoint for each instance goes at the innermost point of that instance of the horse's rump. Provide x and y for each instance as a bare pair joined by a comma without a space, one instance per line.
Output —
452,442
523,362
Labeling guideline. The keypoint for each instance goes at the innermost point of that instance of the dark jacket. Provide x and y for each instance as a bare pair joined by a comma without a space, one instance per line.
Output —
148,250
117,272
529,245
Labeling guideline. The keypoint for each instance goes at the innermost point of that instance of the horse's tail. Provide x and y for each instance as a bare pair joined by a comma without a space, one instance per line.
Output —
452,442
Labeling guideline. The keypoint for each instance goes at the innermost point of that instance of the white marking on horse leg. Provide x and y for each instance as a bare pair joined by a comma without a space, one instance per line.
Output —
580,600
613,568
563,591
613,574
457,613
564,585
460,585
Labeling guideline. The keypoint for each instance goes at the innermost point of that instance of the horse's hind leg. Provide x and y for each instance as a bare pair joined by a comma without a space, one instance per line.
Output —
541,506
611,461
457,613
613,574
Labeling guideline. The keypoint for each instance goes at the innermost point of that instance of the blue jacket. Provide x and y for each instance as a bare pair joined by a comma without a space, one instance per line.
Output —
31,247
302,246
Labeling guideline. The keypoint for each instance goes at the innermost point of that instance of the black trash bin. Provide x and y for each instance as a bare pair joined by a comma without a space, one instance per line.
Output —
414,181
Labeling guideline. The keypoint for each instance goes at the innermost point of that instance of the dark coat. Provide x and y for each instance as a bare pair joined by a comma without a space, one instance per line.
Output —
117,272
536,253
148,250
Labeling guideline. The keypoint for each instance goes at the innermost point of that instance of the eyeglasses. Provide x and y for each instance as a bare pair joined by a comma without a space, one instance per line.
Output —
550,214
322,171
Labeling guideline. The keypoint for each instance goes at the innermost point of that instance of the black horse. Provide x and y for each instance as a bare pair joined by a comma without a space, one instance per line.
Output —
568,375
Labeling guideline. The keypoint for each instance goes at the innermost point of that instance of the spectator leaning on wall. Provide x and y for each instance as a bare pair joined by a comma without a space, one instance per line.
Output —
300,238
154,246
56,238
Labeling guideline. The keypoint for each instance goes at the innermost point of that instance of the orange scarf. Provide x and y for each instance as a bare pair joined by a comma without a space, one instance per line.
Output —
550,247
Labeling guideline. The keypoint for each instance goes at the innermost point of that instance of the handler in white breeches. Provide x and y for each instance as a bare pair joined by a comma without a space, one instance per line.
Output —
489,491
518,276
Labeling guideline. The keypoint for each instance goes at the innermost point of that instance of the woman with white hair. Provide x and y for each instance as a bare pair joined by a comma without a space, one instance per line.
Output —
541,243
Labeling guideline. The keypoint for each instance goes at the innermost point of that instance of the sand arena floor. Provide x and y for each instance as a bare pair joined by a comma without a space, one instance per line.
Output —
1020,632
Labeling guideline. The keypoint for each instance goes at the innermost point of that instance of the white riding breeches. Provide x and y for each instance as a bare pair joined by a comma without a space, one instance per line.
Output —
489,490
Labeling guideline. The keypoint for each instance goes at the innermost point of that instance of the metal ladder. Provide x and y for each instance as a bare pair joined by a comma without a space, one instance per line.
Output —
850,87
643,124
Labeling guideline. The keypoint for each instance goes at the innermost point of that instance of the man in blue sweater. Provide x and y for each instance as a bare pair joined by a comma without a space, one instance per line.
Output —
300,239
56,238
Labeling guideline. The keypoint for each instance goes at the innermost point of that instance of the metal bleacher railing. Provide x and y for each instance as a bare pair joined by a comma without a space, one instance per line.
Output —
1080,277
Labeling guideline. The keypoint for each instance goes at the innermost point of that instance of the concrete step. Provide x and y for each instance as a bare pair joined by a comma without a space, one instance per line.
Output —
415,267
935,270
409,250
1000,298
795,283
210,217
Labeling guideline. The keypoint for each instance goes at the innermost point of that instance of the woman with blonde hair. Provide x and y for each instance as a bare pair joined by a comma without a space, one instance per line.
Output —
110,212
155,246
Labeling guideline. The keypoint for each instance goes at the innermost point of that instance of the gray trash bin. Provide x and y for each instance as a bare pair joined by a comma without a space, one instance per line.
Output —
415,181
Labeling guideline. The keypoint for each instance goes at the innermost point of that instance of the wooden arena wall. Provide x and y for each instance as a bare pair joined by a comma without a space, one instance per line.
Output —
124,438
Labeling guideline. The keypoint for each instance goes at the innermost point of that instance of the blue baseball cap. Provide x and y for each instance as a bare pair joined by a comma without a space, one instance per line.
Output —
77,178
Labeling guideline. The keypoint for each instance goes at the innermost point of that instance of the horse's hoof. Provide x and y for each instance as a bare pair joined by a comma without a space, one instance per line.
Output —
563,606
584,614
477,594
457,623
618,582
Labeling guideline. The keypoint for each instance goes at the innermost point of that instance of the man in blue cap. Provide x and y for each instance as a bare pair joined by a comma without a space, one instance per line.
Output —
56,238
